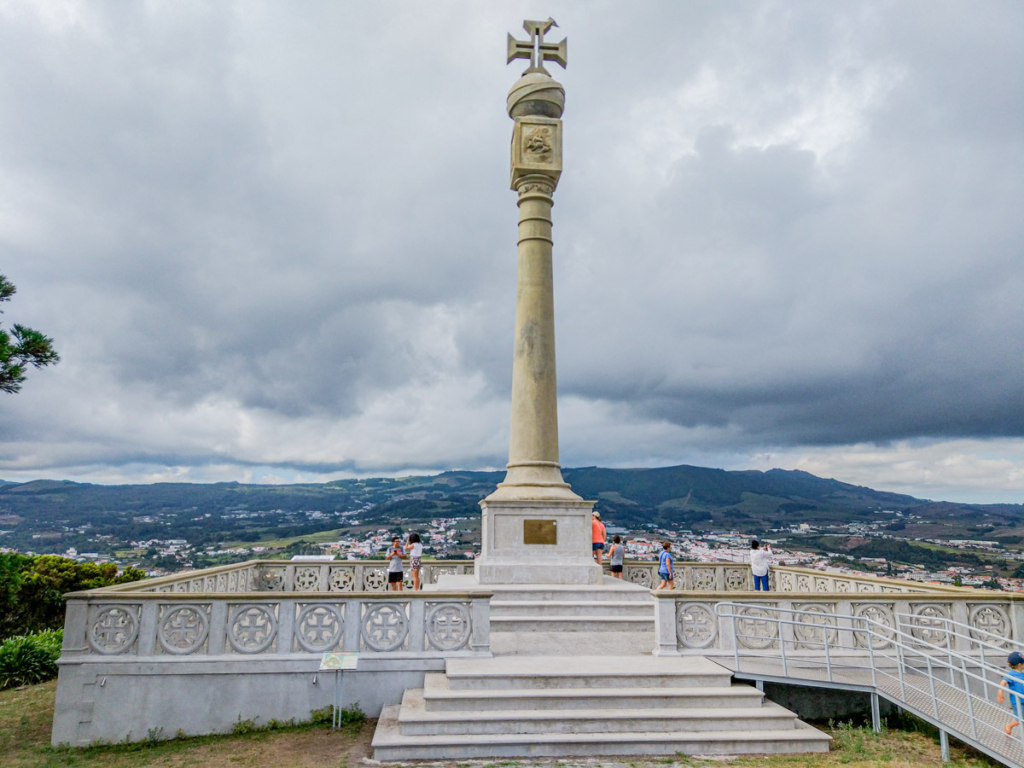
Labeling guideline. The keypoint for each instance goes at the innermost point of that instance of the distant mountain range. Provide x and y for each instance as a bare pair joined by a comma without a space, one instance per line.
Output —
683,496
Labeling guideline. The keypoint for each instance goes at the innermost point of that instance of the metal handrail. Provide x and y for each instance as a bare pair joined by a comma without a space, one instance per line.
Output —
932,660
968,636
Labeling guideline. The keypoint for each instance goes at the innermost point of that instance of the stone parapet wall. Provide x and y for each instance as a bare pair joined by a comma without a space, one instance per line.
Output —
148,624
689,624
293,576
736,577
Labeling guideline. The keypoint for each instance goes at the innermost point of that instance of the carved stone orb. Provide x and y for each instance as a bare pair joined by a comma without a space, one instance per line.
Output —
536,94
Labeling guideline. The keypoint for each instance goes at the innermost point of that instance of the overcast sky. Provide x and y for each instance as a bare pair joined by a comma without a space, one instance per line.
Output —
275,241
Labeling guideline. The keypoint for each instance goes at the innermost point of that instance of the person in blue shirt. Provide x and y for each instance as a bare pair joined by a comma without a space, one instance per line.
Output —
665,566
1013,681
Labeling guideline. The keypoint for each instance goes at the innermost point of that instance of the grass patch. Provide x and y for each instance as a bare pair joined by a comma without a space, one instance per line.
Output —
313,538
26,717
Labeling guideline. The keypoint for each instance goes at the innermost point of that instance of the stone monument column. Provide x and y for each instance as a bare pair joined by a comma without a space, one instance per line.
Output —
535,529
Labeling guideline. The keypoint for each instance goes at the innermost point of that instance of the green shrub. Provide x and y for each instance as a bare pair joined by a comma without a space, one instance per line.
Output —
29,659
32,589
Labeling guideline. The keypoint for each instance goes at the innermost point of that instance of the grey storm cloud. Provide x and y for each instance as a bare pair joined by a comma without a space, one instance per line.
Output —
268,235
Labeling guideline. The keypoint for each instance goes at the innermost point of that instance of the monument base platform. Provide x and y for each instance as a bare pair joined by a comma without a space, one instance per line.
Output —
536,541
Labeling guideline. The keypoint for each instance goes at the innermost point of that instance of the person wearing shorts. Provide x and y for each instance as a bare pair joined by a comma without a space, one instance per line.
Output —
414,548
615,555
1013,681
395,574
597,527
665,570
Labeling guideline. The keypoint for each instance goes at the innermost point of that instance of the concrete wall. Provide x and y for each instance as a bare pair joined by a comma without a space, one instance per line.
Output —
117,701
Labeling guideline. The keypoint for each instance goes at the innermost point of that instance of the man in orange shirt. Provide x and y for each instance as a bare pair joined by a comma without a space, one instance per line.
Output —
599,536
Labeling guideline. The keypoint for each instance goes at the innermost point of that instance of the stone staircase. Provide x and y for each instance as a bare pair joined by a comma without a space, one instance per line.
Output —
615,606
555,706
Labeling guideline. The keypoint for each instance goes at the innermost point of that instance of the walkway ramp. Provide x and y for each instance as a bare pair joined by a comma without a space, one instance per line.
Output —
913,666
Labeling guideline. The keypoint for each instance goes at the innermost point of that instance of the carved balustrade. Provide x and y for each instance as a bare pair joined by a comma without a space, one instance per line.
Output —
687,623
736,577
279,608
294,576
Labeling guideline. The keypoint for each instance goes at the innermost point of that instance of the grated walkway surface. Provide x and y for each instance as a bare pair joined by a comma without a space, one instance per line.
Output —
949,708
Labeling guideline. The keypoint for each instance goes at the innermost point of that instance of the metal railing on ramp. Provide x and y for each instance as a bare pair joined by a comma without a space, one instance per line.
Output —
912,665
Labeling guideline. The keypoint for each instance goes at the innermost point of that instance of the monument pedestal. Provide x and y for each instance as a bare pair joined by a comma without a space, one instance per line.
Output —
536,541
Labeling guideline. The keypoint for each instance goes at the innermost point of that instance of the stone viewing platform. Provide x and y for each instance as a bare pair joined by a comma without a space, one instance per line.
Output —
246,641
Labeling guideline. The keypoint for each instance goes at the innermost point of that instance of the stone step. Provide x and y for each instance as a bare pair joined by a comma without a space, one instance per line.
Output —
632,644
506,608
546,673
415,720
390,744
608,591
440,698
570,623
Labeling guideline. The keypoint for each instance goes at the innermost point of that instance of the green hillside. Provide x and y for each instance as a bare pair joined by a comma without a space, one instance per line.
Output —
52,515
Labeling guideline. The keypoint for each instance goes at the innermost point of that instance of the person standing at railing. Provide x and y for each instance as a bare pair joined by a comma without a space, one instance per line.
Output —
760,559
665,566
597,527
395,574
1013,681
615,555
414,548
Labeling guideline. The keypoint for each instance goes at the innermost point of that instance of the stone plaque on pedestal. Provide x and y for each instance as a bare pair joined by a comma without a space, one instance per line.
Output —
540,532
514,549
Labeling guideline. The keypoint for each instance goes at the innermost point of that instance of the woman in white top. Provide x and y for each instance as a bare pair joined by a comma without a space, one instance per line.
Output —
414,548
760,559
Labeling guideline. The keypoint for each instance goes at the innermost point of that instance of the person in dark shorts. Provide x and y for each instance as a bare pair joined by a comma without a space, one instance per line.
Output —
615,555
597,527
395,571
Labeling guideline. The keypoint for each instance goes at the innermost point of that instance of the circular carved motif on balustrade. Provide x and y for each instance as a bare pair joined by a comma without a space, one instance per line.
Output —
183,629
736,579
639,576
384,626
272,580
696,626
251,628
987,620
307,579
375,579
929,624
114,629
320,627
812,631
753,628
704,579
449,626
342,579
879,625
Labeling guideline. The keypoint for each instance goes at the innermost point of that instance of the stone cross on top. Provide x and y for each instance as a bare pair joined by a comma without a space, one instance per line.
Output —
536,50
